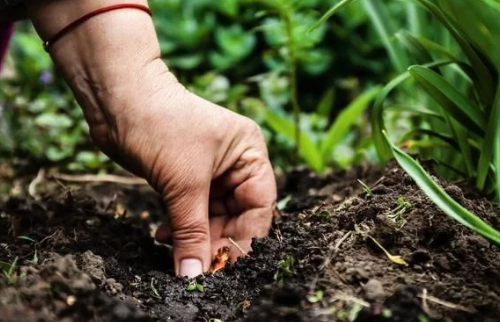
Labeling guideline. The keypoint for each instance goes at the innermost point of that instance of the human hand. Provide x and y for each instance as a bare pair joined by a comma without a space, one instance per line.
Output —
209,164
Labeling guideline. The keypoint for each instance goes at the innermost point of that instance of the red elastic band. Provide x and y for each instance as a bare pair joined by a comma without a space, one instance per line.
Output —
47,44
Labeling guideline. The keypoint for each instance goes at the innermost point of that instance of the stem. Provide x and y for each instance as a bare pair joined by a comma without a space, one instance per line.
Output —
287,13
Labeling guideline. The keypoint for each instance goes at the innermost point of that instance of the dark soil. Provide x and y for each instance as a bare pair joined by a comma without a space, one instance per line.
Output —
95,259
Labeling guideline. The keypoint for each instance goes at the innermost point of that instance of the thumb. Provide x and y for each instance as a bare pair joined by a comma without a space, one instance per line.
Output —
190,230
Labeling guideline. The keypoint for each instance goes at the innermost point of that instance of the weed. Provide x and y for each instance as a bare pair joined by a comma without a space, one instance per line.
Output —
154,291
316,297
350,314
194,285
35,255
285,269
397,213
422,318
9,270
365,188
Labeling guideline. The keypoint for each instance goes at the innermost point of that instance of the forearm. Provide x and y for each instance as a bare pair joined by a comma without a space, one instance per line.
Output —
105,58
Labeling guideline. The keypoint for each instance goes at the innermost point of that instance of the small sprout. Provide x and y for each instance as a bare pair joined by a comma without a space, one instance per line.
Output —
154,291
325,215
9,271
316,297
195,286
27,239
422,318
351,314
35,256
365,188
386,313
285,269
281,205
397,213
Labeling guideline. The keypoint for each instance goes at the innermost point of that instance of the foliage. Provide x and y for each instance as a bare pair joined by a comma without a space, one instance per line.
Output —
194,285
244,55
455,64
285,269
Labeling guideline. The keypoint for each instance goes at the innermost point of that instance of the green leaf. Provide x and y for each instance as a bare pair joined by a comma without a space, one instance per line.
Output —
414,47
330,13
326,104
488,147
483,77
377,115
442,200
308,150
27,238
345,120
452,101
445,138
51,120
386,28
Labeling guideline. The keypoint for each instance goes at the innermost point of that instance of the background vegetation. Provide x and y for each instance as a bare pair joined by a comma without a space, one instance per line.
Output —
427,71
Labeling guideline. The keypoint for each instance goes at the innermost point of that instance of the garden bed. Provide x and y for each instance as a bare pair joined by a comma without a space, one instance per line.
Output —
96,261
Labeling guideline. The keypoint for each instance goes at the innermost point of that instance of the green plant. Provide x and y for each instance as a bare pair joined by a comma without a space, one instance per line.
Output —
316,297
285,269
318,144
154,291
455,117
9,270
397,213
366,189
35,243
194,285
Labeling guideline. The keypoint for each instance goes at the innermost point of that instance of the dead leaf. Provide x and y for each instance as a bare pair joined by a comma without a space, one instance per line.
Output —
221,259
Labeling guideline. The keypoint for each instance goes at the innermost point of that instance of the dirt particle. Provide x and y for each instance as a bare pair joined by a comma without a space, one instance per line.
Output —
374,290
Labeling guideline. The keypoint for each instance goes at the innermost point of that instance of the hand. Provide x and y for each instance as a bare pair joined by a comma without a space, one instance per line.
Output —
209,164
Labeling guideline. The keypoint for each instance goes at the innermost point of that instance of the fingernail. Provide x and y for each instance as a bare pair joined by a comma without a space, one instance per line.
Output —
190,267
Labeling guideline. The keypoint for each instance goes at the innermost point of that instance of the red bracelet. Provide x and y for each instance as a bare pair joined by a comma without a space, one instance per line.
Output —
47,44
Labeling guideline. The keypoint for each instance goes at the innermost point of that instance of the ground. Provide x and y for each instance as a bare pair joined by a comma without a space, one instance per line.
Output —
332,255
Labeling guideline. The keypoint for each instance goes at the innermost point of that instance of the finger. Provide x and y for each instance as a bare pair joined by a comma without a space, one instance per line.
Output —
190,230
256,197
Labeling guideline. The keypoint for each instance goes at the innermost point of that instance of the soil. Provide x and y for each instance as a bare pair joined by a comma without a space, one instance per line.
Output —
92,257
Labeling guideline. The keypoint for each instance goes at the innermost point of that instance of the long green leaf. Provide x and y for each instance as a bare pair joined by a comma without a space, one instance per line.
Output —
414,47
386,28
442,200
445,138
345,120
308,150
421,111
452,101
330,13
483,76
488,147
479,20
377,116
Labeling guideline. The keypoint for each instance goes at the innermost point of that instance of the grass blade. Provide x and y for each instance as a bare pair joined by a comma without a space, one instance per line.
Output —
345,120
330,13
452,101
385,26
442,200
